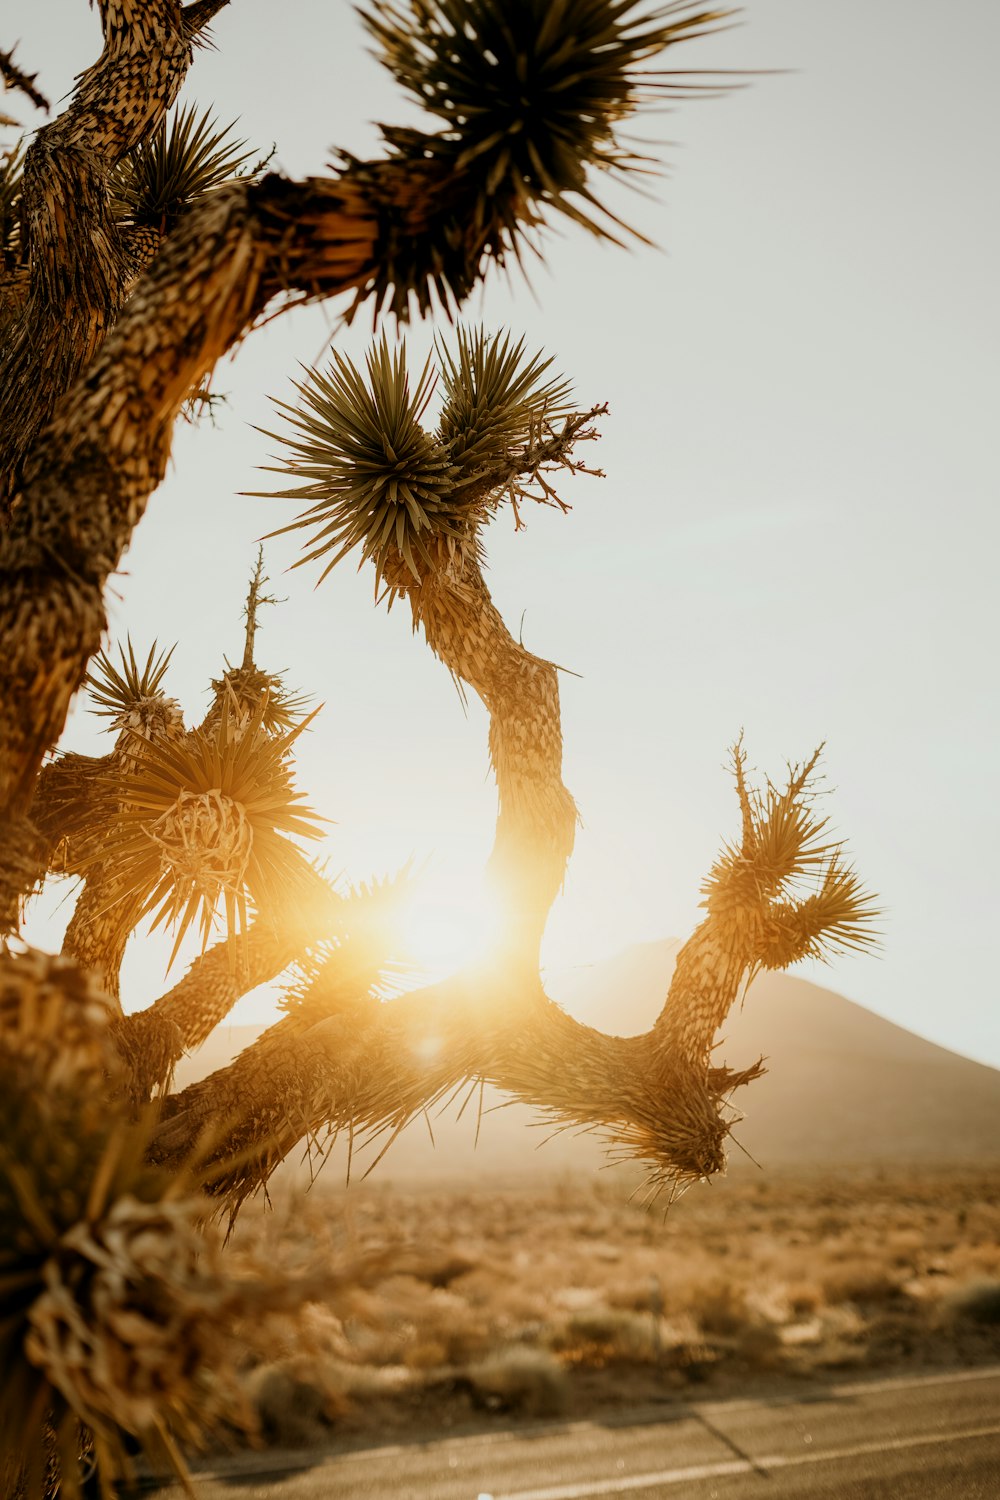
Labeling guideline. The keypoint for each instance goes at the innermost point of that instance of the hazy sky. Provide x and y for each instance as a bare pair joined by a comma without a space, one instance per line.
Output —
796,534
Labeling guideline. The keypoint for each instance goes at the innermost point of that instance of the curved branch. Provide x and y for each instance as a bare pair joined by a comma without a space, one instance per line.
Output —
537,817
418,225
86,486
368,1069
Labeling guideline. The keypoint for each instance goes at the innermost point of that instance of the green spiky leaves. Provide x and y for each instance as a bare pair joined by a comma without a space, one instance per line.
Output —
186,158
495,400
375,478
787,887
531,95
209,822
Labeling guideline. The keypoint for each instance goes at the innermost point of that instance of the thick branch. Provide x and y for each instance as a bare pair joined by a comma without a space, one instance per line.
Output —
537,817
79,269
86,486
368,1068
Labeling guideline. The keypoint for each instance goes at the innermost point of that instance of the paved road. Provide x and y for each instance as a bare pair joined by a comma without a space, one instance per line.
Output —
933,1437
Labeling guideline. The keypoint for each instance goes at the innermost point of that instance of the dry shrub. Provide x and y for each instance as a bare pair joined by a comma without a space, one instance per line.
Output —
860,1280
598,1334
292,1411
803,1298
978,1302
428,1354
761,1347
720,1307
640,1295
440,1270
520,1379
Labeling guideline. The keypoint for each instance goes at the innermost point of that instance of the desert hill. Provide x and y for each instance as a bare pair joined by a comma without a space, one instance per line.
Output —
845,1088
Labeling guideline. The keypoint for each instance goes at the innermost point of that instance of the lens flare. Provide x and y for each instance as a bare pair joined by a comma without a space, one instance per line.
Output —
446,930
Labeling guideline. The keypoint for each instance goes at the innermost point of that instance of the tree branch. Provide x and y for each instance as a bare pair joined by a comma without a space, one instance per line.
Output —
86,486
79,269
367,1069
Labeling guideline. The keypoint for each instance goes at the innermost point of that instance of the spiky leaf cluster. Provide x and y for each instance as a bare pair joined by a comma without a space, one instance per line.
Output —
378,480
248,690
787,888
531,95
209,820
119,692
187,157
495,400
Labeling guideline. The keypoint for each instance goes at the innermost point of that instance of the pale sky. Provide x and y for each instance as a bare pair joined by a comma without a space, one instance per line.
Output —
797,533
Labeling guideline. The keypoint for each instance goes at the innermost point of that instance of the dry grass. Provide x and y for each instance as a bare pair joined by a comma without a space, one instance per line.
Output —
568,1298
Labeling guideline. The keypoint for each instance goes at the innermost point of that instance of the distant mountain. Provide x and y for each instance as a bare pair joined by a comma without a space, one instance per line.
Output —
845,1088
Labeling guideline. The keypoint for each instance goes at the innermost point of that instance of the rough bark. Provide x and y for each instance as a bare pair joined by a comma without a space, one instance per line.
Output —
350,1065
537,817
79,265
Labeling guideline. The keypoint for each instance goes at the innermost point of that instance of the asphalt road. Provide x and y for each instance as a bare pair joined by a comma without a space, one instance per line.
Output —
931,1437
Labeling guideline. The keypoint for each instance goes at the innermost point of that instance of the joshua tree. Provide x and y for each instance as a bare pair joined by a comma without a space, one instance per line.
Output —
134,253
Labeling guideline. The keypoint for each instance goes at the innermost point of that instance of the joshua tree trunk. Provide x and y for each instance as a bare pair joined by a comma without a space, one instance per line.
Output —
110,318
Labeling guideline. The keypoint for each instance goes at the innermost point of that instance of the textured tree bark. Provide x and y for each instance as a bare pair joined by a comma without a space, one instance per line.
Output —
79,264
350,1065
94,395
537,817
84,487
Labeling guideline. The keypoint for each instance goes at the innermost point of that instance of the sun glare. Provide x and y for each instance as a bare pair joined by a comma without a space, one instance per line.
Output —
444,931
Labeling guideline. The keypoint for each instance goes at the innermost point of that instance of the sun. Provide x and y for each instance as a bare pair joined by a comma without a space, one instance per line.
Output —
445,928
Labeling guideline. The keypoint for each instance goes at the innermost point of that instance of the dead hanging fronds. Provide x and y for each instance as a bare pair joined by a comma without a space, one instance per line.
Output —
211,820
55,1018
788,884
11,166
115,1308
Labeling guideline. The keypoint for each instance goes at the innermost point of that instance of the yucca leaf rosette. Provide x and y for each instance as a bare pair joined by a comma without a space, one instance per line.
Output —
79,800
378,480
787,887
210,821
495,400
187,157
132,696
530,95
249,690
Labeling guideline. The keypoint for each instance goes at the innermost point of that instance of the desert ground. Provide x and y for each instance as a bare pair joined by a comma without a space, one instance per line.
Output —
562,1298
500,1282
